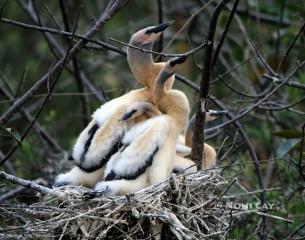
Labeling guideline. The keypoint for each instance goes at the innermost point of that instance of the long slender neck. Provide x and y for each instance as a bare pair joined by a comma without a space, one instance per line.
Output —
140,62
159,92
171,102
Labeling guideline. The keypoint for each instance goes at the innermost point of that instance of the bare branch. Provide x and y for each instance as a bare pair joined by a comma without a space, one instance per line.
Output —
31,184
77,75
37,127
190,52
198,137
300,166
224,34
302,29
116,6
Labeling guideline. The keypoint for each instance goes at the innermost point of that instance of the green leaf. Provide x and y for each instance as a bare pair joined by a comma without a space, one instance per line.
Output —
12,132
289,133
286,146
27,149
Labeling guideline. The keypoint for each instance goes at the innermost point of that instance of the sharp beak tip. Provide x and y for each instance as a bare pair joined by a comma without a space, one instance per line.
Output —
127,115
219,113
179,60
161,27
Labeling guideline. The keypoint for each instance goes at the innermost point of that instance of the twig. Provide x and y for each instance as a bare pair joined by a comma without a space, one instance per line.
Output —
61,32
300,166
289,83
14,148
2,7
274,217
31,184
278,40
250,108
109,12
224,34
240,129
84,99
58,51
52,15
280,107
192,51
295,232
37,127
253,156
20,84
263,60
160,20
252,193
198,136
55,77
189,20
290,47
264,18
17,190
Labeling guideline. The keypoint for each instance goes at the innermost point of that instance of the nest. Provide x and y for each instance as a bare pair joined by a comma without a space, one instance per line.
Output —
183,207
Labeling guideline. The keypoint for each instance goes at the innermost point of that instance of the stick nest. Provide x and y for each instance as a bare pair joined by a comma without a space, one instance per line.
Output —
185,205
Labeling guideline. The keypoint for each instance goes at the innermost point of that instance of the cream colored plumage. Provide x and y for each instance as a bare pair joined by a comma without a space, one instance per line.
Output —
209,153
102,137
150,146
181,163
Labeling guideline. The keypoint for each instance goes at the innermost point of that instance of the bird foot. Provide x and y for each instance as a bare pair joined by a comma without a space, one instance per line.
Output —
61,184
95,193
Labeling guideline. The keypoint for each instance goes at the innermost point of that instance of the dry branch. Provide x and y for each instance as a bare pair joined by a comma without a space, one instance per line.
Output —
185,203
198,137
111,9
31,184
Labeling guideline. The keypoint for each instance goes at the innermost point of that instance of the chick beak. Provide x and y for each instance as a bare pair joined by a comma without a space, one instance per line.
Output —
128,115
178,60
159,28
214,113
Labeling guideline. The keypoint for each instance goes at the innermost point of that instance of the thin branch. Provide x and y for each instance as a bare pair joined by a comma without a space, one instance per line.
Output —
295,232
188,22
198,137
290,47
55,78
236,123
289,83
167,55
259,102
278,40
300,166
264,18
274,217
17,190
263,60
58,51
105,17
247,95
31,184
84,99
160,20
15,147
279,107
104,45
37,127
21,82
224,34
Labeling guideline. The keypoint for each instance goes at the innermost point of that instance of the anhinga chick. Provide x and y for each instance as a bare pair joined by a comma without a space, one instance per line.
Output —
149,147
